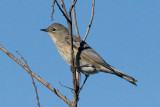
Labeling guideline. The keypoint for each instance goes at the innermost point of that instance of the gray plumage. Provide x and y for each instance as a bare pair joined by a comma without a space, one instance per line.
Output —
87,60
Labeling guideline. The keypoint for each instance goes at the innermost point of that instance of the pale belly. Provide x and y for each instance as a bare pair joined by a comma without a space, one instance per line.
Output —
83,66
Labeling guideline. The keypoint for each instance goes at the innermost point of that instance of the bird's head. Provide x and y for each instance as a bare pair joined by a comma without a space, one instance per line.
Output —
56,31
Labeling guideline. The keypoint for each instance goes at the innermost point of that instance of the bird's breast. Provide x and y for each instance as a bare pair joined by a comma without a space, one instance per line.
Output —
64,51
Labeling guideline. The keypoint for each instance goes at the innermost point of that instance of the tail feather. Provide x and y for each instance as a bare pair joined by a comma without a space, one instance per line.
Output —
128,78
124,76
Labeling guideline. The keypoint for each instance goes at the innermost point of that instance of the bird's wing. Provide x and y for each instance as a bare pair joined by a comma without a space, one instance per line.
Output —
87,51
84,48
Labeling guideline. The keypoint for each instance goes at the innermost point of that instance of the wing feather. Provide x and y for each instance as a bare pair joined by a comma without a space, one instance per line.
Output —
85,49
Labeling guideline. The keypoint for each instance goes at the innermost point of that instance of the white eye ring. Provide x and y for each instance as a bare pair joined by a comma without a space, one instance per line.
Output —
53,30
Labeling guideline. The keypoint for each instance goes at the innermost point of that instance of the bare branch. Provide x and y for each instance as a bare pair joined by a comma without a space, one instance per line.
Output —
65,11
66,86
78,76
64,8
38,103
86,77
90,23
68,20
52,10
36,76
75,21
73,68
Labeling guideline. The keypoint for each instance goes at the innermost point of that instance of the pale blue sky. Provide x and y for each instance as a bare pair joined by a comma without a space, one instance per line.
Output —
126,33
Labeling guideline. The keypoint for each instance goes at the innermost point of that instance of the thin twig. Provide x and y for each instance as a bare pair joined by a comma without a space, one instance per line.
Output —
62,11
64,8
65,11
75,20
66,86
52,10
86,77
22,58
36,76
90,23
38,103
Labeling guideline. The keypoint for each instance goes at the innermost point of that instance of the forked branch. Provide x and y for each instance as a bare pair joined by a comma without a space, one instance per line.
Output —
36,76
64,7
38,103
64,14
68,17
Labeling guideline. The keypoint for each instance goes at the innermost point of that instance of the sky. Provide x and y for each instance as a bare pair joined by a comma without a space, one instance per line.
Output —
126,33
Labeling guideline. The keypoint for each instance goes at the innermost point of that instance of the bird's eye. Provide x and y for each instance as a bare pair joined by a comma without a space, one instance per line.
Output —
53,30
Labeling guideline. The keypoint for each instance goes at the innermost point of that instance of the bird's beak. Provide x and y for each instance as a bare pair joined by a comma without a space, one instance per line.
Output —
45,30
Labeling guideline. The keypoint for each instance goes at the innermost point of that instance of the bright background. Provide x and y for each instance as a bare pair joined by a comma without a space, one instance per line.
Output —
126,33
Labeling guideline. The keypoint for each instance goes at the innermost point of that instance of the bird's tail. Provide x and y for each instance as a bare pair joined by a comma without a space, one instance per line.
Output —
124,76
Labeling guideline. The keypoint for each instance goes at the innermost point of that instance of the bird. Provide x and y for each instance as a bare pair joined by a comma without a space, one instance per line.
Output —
87,60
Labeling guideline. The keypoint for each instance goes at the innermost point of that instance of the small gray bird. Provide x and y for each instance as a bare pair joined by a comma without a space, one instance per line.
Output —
87,60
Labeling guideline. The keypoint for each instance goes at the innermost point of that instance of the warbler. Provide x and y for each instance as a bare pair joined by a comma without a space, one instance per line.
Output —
87,60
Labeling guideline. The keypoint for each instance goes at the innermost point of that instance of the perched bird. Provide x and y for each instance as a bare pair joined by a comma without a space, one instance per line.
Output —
87,60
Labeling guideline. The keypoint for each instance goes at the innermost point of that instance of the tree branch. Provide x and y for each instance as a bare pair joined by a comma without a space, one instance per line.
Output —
36,76
86,77
66,16
74,20
78,75
38,103
90,23
64,8
65,11
52,10
73,68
